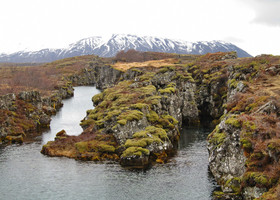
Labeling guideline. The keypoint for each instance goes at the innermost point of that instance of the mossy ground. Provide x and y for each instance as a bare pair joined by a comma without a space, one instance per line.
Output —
87,146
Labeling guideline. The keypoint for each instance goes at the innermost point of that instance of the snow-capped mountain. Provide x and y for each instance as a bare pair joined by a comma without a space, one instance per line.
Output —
109,47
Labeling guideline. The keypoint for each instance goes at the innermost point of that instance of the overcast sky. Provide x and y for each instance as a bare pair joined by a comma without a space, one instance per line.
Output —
253,25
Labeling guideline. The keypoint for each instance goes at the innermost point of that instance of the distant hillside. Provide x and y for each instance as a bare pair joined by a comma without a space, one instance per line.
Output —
109,47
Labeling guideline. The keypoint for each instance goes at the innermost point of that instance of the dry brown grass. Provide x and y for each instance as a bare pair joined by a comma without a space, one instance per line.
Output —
123,66
269,85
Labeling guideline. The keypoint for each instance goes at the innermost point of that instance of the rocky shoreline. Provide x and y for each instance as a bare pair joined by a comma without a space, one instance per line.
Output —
139,113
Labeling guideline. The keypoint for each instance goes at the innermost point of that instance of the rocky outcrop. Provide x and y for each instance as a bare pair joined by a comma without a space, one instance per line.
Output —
231,94
145,110
143,113
239,147
138,115
226,156
26,113
97,74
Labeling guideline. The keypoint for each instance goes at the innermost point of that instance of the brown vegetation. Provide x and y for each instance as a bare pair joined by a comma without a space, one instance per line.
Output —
16,78
138,56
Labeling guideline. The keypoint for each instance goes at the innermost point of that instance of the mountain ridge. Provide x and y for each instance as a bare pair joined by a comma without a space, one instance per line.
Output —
100,46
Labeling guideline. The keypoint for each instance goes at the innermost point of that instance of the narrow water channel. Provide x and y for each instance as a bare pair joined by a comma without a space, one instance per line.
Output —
73,111
26,174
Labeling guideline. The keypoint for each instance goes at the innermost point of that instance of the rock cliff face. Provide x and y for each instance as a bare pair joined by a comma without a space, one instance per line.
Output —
239,147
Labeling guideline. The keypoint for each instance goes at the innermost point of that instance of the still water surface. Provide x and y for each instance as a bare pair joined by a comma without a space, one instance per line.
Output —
26,174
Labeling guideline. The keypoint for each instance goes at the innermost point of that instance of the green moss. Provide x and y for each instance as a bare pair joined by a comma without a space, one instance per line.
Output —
130,115
170,119
168,90
104,104
124,99
257,178
167,121
251,106
233,122
135,151
140,106
187,78
246,143
100,123
106,148
100,144
143,142
159,132
234,184
97,98
136,143
95,116
140,134
147,76
172,84
233,83
137,70
112,96
237,75
152,116
47,145
239,67
81,147
249,125
217,138
171,68
163,70
193,67
196,71
272,146
206,76
122,122
148,90
87,122
257,156
218,194
147,137
153,100
111,114
205,71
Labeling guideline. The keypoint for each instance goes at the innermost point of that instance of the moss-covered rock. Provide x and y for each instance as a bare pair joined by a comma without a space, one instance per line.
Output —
130,115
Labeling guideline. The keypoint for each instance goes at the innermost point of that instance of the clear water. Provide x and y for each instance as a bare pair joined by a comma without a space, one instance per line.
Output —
73,110
26,174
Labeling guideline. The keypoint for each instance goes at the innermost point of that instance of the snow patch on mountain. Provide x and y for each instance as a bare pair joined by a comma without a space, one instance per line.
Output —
108,47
